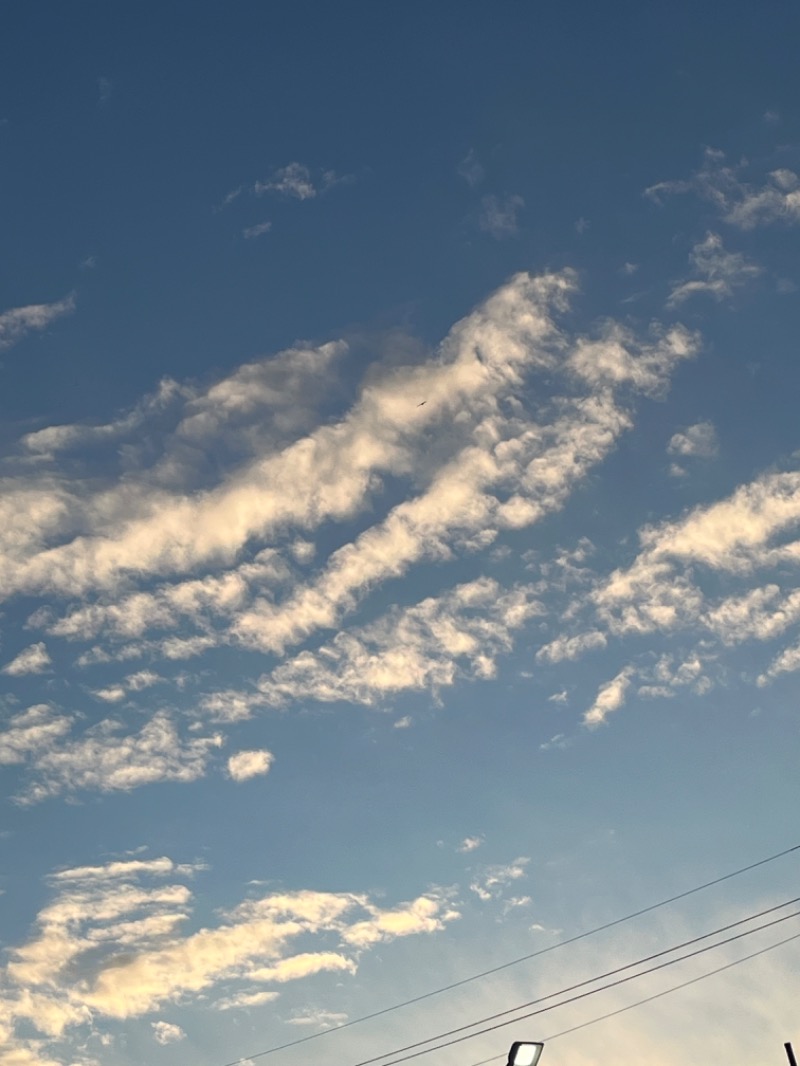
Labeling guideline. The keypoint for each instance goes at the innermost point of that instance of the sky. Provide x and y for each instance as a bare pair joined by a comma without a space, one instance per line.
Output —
399,529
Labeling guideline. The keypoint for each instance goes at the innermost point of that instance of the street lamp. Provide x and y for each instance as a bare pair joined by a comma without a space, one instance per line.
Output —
523,1053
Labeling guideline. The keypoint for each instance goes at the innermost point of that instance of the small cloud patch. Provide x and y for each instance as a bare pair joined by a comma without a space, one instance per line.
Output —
470,844
246,764
167,1033
251,232
32,660
499,215
698,441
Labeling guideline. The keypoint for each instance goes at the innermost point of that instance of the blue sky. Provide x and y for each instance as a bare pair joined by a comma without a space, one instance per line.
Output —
399,524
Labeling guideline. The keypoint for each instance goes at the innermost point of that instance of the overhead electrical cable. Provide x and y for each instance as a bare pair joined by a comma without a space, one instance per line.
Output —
656,995
522,958
593,980
584,995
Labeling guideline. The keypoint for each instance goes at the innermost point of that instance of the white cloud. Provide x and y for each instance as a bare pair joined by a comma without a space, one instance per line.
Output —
297,182
125,870
427,914
53,439
293,180
97,911
425,646
250,232
32,660
245,999
296,967
759,511
147,550
142,679
31,732
470,169
470,844
609,698
716,272
697,441
515,902
491,881
246,764
167,1032
483,463
540,462
499,215
736,536
106,759
719,575
787,662
319,1019
19,321
111,694
571,647
616,358
740,203
558,741
762,613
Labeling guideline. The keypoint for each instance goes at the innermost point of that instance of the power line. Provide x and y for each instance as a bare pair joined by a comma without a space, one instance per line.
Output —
589,981
521,958
656,995
591,992
674,988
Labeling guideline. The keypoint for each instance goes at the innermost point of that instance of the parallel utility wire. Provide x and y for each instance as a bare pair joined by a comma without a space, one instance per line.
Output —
656,995
591,992
581,984
520,959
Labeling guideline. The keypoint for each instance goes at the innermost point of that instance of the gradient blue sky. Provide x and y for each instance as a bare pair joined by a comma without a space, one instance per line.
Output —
399,522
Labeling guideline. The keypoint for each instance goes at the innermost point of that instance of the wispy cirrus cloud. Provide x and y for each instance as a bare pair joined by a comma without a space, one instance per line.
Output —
697,441
499,215
147,528
470,844
146,907
425,646
105,757
144,553
295,181
251,232
319,1019
741,203
30,732
721,575
491,882
716,271
566,647
470,169
17,322
610,698
34,659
